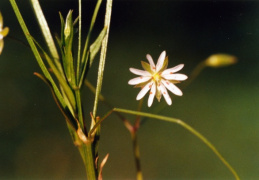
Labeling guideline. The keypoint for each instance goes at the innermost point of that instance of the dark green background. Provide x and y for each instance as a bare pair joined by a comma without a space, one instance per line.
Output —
222,103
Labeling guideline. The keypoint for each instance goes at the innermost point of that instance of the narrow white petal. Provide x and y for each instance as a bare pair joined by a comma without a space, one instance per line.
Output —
151,62
173,69
138,80
152,94
178,77
160,61
139,72
173,88
144,91
166,95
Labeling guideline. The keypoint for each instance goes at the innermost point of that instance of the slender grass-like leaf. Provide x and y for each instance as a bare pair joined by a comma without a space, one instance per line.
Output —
61,80
186,126
62,24
94,49
35,51
79,42
68,61
103,55
97,7
46,33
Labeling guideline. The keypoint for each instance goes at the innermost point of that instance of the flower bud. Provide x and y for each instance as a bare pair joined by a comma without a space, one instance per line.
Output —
220,60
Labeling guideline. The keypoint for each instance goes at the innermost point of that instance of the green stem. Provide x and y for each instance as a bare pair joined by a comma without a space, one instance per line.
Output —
90,163
196,71
189,128
79,109
137,121
136,154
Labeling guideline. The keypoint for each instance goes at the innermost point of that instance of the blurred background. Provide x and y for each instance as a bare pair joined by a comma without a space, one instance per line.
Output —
221,103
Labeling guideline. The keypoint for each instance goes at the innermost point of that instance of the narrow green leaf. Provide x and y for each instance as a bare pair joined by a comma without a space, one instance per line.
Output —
78,65
46,33
62,24
61,80
68,61
186,126
97,7
35,50
103,55
95,47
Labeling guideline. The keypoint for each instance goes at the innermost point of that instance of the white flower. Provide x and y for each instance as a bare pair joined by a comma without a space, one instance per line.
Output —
3,33
157,79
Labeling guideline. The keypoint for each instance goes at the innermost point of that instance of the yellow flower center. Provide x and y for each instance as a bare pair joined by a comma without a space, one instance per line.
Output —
156,77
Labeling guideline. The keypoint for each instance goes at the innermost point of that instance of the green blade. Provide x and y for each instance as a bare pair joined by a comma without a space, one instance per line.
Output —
46,33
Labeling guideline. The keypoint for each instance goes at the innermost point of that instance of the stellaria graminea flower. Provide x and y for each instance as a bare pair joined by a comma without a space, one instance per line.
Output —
3,33
157,79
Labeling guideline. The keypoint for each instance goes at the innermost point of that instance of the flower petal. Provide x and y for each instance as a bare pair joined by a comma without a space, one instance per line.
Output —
151,62
178,77
160,61
173,88
144,91
165,94
1,45
173,69
139,72
4,32
152,94
138,80
1,21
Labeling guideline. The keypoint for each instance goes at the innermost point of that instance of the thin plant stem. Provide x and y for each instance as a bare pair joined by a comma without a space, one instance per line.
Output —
18,40
132,129
189,128
79,110
134,139
90,163
108,104
137,121
196,71
136,154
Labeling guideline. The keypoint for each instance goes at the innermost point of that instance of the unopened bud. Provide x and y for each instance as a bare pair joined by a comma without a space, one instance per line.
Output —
220,60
